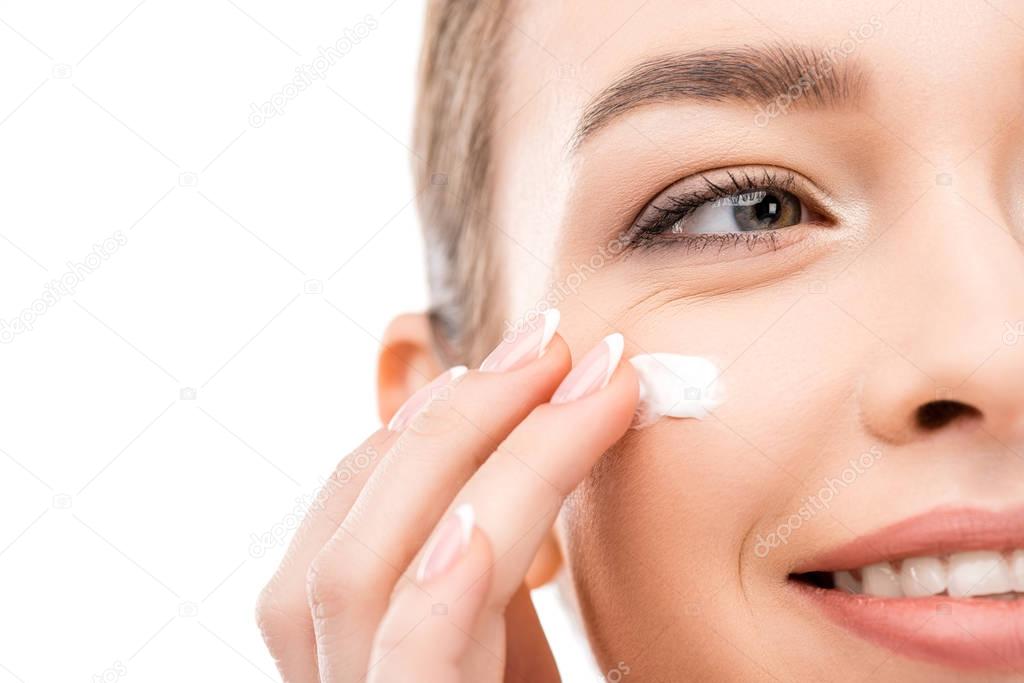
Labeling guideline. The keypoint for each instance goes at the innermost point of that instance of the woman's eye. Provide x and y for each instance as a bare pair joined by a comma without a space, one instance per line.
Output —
767,209
730,207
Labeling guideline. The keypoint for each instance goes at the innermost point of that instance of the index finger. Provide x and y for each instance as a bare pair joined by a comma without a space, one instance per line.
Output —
519,491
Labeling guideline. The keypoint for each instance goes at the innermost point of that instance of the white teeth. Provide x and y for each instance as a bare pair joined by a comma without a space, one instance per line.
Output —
848,582
881,580
922,576
978,573
1017,569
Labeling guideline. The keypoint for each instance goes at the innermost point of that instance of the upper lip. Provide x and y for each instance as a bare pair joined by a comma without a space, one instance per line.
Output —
938,532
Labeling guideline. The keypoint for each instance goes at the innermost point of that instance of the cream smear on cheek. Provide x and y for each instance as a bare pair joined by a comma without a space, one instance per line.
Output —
672,385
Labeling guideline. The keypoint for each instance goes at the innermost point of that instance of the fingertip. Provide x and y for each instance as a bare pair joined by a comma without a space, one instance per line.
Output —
461,589
556,357
621,396
628,381
537,380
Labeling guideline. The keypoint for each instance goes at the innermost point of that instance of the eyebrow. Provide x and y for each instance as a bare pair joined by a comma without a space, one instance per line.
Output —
794,75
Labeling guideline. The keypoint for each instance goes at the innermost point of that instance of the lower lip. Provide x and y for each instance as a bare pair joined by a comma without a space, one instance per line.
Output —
974,633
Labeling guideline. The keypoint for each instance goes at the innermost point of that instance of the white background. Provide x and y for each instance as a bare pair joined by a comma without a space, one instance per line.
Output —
259,267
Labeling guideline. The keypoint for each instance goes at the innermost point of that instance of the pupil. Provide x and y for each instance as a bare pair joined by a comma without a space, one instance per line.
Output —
767,209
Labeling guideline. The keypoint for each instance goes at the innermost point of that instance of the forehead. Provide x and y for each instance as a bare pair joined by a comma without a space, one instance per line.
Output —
578,47
921,59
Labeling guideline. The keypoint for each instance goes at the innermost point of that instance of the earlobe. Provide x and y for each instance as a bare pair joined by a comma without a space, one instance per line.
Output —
407,361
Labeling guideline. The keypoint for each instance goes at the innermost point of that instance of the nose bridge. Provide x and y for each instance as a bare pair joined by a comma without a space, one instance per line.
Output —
955,317
968,285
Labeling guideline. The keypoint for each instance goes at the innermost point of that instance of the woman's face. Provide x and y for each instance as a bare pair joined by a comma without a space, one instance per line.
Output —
870,269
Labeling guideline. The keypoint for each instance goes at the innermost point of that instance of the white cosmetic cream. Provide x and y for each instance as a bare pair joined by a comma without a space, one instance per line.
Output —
675,386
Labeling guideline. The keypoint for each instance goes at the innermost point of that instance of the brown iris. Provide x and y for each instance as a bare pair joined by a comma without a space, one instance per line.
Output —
766,210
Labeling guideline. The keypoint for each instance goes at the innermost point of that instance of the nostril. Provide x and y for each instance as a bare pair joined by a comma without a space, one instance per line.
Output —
937,414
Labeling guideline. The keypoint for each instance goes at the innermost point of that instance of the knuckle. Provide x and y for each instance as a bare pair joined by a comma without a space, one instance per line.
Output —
276,618
335,584
350,466
438,418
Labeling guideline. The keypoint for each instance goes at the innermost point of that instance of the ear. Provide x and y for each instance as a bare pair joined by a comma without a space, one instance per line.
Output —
406,363
546,562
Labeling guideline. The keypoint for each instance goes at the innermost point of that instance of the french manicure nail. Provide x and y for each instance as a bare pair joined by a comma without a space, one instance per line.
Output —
524,343
448,545
421,397
593,372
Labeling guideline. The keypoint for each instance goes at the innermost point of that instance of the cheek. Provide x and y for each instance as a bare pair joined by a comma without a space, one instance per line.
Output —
681,497
654,537
791,382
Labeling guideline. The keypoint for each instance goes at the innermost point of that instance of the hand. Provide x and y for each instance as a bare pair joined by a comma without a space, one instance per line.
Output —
410,564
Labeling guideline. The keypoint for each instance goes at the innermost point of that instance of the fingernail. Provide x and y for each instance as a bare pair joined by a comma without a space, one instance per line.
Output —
593,372
421,397
523,343
449,543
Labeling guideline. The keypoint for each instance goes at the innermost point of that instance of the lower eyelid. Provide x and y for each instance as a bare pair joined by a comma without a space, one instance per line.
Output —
723,240
720,250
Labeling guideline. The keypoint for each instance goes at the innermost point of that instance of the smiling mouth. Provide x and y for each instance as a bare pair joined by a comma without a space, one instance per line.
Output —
993,574
946,586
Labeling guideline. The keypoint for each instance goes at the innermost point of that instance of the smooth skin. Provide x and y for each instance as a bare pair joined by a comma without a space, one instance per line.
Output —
830,345
345,604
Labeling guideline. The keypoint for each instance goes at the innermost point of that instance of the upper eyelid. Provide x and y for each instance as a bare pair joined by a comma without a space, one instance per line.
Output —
770,178
787,179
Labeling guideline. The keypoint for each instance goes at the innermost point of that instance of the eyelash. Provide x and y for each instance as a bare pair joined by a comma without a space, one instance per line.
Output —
651,229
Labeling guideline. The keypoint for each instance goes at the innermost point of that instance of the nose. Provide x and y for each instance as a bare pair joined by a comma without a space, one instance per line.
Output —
952,319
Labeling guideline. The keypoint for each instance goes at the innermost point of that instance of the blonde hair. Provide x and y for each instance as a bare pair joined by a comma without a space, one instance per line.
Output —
458,85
